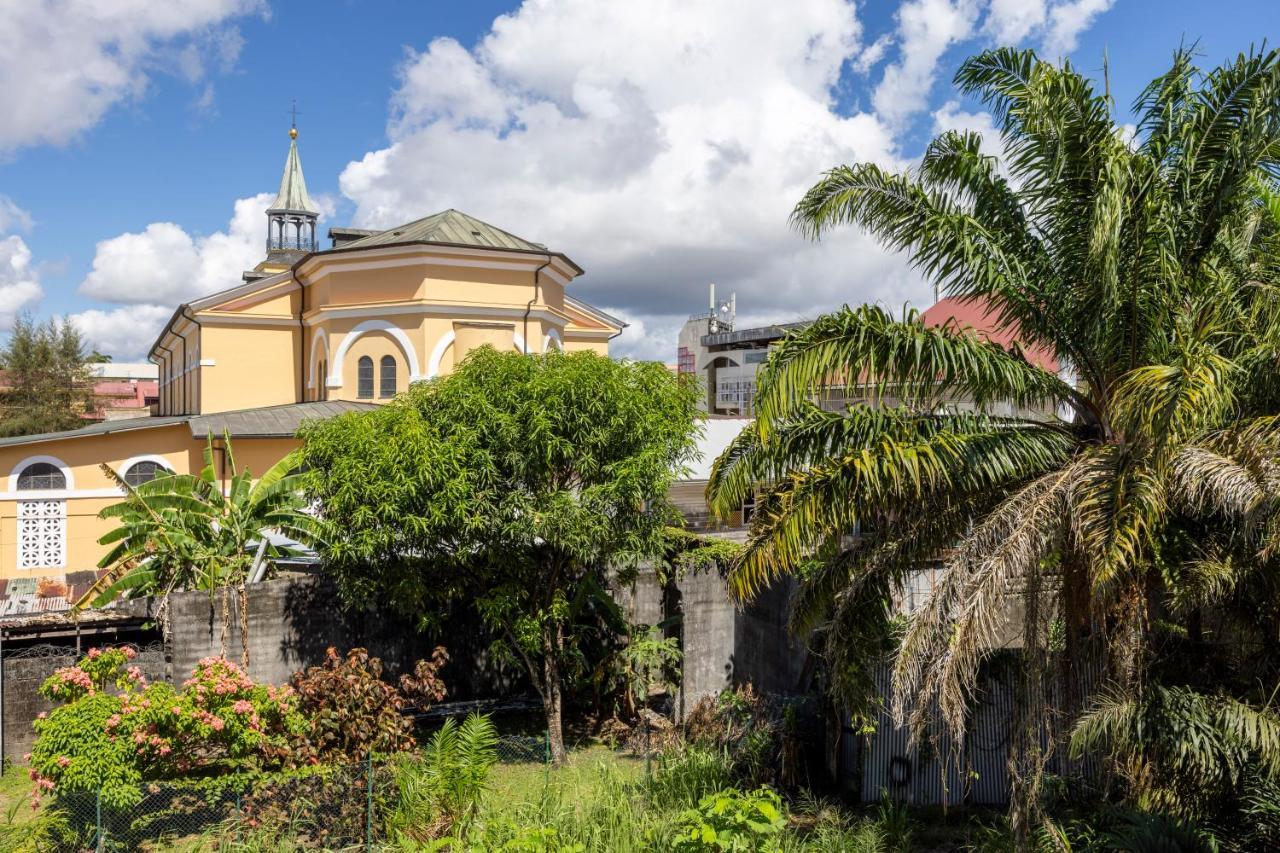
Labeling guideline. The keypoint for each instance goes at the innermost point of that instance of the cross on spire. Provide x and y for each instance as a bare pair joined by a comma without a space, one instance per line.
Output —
293,120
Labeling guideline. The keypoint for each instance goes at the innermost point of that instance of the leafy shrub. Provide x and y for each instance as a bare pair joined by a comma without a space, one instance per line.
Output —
114,741
440,792
352,711
732,820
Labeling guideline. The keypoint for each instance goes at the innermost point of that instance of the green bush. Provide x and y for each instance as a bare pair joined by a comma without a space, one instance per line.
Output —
440,792
687,775
732,820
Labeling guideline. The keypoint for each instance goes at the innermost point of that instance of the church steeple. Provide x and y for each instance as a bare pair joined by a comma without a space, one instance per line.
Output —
291,219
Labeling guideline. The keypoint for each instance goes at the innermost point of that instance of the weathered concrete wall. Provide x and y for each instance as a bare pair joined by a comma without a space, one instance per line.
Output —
293,620
723,646
24,671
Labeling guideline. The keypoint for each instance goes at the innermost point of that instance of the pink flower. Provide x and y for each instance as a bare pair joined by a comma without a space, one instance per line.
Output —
114,720
43,715
176,709
242,707
47,784
130,653
139,738
94,653
217,724
165,750
63,761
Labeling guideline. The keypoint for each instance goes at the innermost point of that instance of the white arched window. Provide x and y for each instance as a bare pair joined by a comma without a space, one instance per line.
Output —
387,377
364,378
42,522
145,471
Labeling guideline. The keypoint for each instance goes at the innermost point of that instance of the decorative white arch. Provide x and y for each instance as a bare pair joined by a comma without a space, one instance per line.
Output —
552,335
446,340
32,460
406,345
442,345
146,457
321,335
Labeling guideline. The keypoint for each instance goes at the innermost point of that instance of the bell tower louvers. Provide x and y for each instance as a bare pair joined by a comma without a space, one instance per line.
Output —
291,219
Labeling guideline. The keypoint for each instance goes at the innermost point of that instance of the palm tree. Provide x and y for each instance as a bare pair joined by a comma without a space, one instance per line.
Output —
188,532
1146,263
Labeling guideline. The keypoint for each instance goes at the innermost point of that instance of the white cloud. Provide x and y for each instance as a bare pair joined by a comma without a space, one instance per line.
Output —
124,333
19,283
1068,20
19,280
661,145
164,265
927,28
1056,26
154,270
871,55
1011,21
64,63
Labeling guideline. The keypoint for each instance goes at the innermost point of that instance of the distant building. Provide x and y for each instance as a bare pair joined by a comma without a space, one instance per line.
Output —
124,389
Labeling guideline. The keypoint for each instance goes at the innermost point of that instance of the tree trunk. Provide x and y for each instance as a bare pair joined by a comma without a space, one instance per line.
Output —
226,617
552,643
244,627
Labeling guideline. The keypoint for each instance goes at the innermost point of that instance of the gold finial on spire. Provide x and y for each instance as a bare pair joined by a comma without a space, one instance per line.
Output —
293,120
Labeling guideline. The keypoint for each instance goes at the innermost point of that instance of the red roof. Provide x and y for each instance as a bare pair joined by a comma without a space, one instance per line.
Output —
979,315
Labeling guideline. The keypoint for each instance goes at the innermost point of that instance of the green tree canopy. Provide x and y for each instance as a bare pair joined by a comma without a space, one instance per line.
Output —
1148,268
49,387
512,485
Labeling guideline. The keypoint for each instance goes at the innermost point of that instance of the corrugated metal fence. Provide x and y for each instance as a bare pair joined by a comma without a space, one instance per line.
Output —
935,772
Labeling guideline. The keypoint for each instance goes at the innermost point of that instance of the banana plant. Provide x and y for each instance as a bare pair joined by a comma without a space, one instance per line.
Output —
200,532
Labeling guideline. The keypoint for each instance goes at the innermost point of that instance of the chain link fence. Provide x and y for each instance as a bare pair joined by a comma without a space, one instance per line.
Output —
331,807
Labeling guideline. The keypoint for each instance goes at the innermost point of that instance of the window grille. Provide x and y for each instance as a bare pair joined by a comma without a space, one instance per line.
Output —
144,472
387,377
41,475
364,377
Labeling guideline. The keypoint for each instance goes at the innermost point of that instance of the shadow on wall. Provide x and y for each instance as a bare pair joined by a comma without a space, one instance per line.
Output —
314,618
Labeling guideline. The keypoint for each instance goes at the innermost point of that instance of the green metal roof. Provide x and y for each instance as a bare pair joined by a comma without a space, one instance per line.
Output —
293,187
452,227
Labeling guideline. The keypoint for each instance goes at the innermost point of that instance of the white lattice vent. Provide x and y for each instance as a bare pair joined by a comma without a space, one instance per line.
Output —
42,534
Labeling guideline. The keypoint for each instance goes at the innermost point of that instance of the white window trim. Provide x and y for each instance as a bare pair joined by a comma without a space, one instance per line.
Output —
357,331
32,460
123,470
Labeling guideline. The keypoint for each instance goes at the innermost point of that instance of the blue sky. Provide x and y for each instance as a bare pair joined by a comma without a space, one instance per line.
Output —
658,166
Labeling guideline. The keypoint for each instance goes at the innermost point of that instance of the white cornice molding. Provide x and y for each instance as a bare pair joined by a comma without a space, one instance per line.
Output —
600,334
456,310
385,257
240,290
279,320
60,494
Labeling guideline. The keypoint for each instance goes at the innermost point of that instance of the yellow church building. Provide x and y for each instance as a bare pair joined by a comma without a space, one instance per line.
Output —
309,333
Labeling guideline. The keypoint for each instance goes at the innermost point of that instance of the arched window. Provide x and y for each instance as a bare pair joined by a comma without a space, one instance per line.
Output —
387,376
40,476
144,472
42,523
364,377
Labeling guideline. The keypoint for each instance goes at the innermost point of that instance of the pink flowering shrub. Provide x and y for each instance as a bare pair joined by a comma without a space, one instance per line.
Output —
218,720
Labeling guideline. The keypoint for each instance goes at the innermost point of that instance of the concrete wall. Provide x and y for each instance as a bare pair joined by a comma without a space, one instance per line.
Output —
723,646
293,620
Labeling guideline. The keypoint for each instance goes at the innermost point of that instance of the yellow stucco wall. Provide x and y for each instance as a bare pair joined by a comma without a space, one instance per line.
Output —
90,490
244,367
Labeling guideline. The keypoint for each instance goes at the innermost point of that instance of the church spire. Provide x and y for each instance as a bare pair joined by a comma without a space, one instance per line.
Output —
291,219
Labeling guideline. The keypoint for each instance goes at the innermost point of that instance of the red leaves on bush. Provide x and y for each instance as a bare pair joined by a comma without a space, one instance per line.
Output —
353,711
423,688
